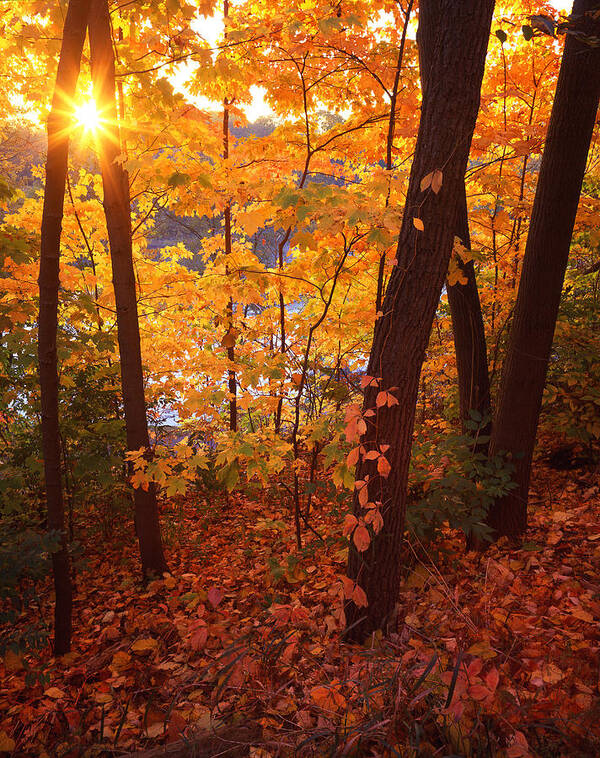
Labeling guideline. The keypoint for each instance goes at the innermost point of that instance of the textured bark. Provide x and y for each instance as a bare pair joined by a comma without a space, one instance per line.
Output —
544,264
232,383
117,210
59,124
452,39
469,336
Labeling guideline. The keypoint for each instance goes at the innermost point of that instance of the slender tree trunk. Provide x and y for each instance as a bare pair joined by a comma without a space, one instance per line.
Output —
59,125
389,147
545,261
232,384
469,336
453,40
115,183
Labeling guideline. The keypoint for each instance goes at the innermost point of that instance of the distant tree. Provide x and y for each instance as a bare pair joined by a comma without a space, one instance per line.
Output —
452,40
469,335
59,128
545,261
115,182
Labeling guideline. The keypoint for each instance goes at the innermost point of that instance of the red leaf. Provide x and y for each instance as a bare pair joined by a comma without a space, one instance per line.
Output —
214,596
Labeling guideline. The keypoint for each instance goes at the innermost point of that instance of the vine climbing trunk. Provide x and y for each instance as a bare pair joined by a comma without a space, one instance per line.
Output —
59,125
469,337
117,210
452,41
546,254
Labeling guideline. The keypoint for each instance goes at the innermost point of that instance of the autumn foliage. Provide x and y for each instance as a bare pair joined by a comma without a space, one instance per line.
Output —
248,502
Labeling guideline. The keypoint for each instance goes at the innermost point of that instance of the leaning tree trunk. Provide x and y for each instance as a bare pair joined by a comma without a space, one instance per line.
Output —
117,210
469,337
453,41
545,261
59,125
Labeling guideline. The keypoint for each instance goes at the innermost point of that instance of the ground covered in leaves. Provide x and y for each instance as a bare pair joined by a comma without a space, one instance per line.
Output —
493,655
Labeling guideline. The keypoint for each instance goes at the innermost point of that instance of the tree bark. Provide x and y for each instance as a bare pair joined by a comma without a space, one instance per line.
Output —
59,125
231,382
117,210
469,337
452,39
545,261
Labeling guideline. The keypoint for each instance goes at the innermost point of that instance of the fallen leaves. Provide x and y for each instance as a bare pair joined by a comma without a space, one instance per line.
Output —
328,697
144,646
524,621
54,693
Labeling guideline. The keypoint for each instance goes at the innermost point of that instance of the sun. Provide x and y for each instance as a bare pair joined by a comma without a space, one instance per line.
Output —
87,116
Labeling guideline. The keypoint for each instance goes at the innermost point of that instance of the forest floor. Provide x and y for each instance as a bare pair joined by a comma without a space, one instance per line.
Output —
495,654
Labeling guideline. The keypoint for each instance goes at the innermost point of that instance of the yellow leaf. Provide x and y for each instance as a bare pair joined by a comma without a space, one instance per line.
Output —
482,650
7,744
54,693
143,646
120,661
418,224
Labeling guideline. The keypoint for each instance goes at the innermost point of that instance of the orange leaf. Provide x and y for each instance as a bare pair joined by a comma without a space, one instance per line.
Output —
359,597
492,678
426,181
374,518
361,538
352,457
328,698
363,496
383,466
350,522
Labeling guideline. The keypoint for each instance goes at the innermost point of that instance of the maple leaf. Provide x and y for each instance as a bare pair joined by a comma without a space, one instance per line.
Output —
328,697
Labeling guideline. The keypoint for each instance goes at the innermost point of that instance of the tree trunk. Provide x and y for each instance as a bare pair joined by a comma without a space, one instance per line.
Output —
59,125
115,184
469,337
453,41
231,382
544,264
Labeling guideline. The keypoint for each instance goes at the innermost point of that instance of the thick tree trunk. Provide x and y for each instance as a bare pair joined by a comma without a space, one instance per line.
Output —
469,336
544,264
115,183
453,40
59,124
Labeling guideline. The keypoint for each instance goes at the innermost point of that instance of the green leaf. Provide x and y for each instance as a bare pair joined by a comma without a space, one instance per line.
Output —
177,179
